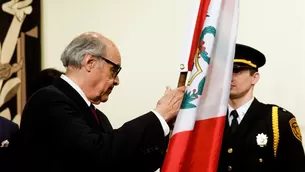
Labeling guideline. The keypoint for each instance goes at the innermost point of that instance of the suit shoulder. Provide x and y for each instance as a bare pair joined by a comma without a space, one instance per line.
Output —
51,92
7,122
288,123
283,113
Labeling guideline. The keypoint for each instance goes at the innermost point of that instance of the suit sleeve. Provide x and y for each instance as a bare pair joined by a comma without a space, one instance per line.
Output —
148,157
290,155
139,144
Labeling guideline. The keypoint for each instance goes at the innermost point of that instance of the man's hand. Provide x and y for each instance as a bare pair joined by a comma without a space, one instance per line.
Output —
169,105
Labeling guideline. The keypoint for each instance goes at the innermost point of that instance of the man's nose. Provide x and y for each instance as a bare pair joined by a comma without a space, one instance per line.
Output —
116,80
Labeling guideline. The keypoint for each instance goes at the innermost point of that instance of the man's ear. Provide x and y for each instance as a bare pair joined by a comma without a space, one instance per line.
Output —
255,78
88,62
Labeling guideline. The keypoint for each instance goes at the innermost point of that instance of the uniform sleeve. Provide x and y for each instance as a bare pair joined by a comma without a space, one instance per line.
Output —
290,154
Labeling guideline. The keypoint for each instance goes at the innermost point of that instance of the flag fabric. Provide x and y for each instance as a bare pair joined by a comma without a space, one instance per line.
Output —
197,136
187,62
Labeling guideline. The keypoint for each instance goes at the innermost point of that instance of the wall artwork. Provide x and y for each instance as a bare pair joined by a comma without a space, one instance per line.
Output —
20,54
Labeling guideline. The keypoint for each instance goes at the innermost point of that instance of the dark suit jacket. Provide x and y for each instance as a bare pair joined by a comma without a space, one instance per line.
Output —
241,153
7,130
60,133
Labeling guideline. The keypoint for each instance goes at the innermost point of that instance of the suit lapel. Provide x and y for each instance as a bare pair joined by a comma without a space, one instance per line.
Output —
79,102
104,122
251,117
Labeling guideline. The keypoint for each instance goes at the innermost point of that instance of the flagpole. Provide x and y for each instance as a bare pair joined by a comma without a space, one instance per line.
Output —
182,79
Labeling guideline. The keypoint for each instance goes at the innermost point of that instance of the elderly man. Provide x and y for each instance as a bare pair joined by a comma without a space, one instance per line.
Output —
62,130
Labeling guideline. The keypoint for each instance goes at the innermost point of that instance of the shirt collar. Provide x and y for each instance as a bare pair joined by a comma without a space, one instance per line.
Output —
242,110
76,87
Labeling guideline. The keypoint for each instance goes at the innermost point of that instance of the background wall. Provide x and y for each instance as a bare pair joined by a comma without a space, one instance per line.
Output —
153,35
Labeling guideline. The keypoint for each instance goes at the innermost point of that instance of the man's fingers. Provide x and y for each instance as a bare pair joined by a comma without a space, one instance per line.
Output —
181,89
167,90
177,99
171,96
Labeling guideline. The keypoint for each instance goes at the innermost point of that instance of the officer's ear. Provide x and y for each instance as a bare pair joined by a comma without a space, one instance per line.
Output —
255,78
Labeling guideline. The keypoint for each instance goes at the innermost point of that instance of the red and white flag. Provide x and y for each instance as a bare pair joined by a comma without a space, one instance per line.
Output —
197,136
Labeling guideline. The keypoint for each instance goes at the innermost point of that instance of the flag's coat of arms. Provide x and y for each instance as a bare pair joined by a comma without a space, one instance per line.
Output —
201,54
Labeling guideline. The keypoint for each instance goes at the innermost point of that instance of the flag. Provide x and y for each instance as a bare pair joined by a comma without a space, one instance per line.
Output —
197,136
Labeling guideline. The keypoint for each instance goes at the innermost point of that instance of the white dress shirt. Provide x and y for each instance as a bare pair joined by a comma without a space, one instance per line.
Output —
241,111
82,94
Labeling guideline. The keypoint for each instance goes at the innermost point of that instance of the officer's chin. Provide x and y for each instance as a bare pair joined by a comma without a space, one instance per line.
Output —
233,96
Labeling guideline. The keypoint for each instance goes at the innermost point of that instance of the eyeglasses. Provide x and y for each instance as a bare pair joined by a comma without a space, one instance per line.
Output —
115,69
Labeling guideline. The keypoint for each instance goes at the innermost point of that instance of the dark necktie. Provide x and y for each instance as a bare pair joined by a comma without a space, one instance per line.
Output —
92,108
234,123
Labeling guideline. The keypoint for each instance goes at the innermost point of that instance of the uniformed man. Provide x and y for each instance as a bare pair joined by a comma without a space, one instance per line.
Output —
257,136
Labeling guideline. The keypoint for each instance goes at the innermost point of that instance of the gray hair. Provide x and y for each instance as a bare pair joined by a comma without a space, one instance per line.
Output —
79,47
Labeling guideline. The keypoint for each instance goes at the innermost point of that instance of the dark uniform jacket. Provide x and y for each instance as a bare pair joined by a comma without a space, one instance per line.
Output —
241,151
60,133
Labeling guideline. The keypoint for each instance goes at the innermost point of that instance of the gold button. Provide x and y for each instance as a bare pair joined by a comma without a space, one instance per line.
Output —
230,150
261,160
229,168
